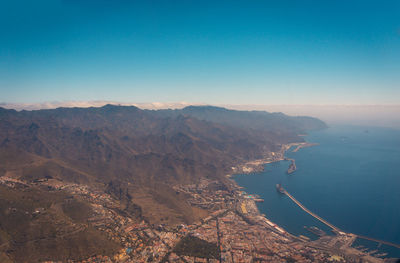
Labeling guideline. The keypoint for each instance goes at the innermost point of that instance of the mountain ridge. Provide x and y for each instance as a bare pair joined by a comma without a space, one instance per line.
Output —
137,156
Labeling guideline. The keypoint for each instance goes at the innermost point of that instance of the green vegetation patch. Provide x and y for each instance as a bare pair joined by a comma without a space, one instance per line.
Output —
196,247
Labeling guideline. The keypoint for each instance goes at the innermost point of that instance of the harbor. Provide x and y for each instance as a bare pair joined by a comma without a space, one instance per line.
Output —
318,166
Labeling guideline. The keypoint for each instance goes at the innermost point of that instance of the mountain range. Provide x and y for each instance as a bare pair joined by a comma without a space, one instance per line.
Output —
136,156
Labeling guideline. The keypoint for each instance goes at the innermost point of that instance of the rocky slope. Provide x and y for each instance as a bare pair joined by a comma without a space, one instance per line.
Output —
135,156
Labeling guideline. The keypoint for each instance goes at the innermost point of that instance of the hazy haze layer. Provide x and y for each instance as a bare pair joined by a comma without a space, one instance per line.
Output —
365,115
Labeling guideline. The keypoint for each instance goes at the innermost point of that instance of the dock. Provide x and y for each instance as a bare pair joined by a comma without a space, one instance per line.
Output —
379,241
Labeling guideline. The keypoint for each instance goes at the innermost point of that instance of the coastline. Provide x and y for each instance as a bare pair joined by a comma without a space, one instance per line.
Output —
234,226
346,239
259,164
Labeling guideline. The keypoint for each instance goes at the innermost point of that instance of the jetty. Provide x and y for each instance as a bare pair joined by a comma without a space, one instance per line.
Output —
334,228
303,145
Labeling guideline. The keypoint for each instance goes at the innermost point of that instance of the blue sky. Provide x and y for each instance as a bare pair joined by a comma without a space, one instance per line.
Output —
216,52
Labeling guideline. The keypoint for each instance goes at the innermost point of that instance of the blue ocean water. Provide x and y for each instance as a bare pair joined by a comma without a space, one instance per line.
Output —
351,179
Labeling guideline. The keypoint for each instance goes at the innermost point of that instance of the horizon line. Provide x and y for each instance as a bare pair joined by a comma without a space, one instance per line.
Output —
160,105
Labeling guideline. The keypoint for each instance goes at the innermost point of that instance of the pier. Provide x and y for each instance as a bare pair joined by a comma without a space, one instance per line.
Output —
334,228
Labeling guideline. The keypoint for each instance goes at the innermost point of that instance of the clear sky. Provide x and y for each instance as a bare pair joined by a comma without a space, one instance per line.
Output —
216,52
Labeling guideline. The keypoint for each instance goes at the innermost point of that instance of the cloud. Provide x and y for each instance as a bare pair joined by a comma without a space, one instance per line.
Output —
87,104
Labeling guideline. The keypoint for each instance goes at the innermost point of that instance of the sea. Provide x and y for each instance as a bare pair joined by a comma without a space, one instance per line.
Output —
351,179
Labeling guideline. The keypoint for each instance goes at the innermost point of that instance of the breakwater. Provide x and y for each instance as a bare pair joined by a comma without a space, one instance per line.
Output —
334,228
309,212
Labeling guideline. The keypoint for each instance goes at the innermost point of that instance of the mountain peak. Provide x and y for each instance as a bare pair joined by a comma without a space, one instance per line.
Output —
204,108
115,108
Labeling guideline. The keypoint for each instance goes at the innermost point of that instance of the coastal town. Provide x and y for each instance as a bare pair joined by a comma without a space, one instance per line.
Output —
258,165
234,230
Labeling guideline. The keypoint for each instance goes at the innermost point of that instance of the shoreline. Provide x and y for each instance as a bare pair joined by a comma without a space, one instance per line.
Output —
258,165
346,238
